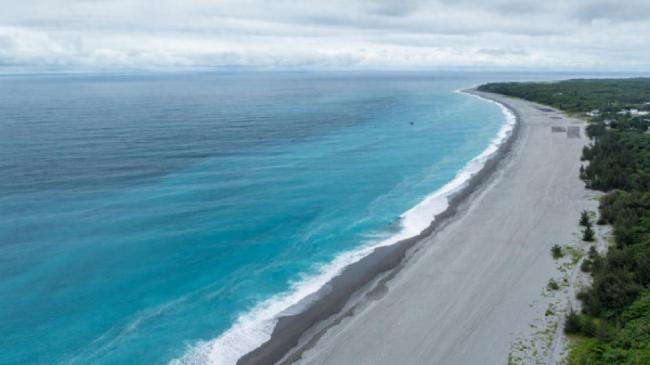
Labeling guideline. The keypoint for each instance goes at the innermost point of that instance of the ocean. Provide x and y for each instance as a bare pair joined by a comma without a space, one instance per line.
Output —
168,218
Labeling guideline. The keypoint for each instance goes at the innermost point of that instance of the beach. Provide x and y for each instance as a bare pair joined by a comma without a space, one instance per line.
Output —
466,288
319,183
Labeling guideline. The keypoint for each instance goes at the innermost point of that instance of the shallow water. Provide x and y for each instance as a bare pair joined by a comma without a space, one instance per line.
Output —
146,218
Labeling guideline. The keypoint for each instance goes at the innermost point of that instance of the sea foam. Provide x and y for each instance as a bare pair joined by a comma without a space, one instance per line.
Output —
255,327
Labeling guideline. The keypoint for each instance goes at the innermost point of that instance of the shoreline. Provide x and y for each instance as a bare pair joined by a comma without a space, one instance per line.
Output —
475,291
295,333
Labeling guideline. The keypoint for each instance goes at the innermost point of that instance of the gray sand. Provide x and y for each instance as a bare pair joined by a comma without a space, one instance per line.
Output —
466,294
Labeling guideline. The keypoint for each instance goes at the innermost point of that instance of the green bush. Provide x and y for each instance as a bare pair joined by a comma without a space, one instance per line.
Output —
588,326
627,344
609,294
556,251
603,333
584,219
588,234
572,323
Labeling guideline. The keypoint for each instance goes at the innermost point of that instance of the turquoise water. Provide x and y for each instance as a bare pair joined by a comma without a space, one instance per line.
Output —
147,218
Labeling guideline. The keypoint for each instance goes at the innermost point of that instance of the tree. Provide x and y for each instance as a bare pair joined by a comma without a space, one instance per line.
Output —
584,219
572,323
588,234
556,251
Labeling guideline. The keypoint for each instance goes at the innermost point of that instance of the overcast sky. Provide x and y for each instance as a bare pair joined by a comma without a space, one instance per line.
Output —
339,34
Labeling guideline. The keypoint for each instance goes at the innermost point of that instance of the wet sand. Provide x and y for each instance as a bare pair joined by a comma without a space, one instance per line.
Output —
461,292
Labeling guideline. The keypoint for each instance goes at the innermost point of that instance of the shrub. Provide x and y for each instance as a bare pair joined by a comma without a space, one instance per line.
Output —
556,251
588,327
588,234
552,285
582,295
585,266
584,219
603,332
610,293
572,323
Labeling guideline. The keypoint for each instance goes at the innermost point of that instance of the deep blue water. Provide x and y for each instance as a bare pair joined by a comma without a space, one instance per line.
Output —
143,214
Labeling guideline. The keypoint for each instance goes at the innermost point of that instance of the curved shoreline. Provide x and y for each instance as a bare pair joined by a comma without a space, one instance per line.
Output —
285,342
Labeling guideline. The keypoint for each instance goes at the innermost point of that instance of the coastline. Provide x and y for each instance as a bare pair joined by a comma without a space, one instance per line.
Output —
474,291
300,327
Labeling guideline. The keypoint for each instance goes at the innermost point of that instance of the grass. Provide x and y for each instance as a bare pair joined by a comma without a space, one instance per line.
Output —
579,350
575,253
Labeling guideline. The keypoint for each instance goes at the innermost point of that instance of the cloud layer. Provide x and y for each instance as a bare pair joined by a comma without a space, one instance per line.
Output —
411,34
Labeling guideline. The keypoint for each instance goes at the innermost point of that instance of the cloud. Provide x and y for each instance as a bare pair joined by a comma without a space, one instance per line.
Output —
326,34
613,11
501,52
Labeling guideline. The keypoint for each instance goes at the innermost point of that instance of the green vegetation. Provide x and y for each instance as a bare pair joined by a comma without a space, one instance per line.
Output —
556,251
614,325
584,219
629,344
572,323
580,96
624,272
588,234
618,160
552,285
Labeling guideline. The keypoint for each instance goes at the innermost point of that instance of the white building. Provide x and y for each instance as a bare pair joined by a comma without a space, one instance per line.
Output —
634,112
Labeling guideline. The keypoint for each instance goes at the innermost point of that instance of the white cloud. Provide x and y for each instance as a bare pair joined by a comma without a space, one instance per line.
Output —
326,34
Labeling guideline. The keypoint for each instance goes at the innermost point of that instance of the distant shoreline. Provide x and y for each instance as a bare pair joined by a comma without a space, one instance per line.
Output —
295,333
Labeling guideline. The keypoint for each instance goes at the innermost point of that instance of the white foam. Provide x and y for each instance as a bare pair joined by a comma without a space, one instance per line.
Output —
255,327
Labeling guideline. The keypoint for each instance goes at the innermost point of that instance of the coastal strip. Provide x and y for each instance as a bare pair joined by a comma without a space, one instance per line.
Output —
300,328
474,285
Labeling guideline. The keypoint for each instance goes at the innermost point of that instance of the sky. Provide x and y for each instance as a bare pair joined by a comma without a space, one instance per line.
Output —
326,34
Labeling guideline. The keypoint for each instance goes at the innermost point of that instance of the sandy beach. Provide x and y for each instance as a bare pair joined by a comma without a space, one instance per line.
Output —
465,290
